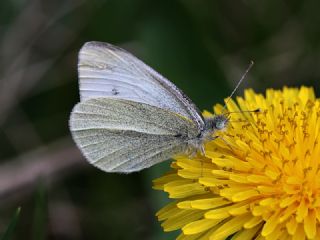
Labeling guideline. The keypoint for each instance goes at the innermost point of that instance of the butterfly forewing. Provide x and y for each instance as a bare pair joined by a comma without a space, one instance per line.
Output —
109,71
119,135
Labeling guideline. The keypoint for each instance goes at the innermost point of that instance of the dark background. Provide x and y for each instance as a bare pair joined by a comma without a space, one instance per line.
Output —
202,46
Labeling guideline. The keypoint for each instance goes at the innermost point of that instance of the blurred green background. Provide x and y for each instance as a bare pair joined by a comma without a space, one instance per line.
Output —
202,46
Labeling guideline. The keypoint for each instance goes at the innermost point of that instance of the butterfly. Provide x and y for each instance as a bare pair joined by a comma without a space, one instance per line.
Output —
130,117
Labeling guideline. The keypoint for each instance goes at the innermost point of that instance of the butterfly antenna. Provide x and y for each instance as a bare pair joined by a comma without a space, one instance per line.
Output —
238,84
257,110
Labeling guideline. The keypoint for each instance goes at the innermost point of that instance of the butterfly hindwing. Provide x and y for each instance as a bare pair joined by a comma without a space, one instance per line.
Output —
119,135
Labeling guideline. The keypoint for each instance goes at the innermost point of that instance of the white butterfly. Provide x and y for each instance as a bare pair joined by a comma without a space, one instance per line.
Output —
130,117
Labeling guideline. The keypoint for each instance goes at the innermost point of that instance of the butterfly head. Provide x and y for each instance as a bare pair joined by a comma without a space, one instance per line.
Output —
218,122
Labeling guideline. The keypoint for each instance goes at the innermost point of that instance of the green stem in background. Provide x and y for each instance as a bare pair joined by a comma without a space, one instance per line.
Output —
12,225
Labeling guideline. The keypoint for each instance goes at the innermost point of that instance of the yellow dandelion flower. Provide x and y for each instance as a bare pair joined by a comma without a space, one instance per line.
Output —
259,180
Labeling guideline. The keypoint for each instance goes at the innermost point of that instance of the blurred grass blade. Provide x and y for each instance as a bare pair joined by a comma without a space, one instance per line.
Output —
40,214
12,225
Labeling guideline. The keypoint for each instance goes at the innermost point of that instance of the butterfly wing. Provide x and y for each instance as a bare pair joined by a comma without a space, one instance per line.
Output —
109,71
118,135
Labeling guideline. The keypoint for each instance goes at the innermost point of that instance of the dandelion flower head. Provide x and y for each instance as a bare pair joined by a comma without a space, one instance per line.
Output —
259,180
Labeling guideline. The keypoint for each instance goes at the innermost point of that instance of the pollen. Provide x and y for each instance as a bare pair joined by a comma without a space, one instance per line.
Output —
259,179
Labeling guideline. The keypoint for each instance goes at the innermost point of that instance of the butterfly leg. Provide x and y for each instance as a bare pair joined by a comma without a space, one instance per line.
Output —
193,148
203,151
191,152
211,138
225,141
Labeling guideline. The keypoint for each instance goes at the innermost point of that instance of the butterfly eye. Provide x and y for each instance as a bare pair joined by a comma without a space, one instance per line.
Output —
220,125
220,122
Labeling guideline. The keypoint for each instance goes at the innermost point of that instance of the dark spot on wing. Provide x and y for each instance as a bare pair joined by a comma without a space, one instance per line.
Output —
114,91
178,135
